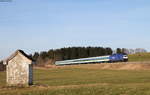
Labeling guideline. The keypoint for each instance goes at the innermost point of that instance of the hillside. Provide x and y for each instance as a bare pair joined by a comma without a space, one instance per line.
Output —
139,57
122,78
106,66
87,79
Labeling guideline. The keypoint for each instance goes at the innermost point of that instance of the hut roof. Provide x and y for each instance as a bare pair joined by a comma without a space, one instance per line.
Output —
14,54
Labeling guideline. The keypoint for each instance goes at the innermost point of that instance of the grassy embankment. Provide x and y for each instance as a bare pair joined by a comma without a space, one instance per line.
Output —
140,57
83,81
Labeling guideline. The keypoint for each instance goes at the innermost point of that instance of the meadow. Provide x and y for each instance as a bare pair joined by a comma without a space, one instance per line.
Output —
82,80
139,57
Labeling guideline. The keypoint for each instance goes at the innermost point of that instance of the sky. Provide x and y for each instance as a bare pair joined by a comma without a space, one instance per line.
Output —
40,25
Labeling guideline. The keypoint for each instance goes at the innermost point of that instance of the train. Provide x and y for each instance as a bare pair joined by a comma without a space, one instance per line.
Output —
99,59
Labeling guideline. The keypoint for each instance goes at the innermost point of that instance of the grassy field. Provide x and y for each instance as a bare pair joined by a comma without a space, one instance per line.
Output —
139,57
80,80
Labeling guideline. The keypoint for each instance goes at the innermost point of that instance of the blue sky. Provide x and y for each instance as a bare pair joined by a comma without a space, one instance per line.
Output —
37,25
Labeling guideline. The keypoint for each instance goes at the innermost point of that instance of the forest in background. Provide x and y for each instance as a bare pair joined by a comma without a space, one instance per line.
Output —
52,55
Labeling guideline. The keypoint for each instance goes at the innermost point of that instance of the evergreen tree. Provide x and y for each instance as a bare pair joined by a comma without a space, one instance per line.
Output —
35,56
71,53
119,50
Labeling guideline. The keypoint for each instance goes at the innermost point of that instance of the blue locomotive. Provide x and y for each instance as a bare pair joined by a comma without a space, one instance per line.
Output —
118,58
99,59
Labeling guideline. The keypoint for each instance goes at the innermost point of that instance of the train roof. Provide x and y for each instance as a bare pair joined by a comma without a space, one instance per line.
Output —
84,58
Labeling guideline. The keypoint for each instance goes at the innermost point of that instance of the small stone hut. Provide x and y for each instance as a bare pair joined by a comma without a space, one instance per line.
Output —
19,69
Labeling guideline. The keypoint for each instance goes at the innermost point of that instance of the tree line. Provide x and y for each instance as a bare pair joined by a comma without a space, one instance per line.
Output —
52,55
2,67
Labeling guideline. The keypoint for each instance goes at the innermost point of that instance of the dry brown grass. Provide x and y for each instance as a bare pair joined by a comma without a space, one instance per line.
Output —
107,66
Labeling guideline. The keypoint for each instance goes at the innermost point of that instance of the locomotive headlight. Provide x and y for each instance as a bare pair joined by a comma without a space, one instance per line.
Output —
125,57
